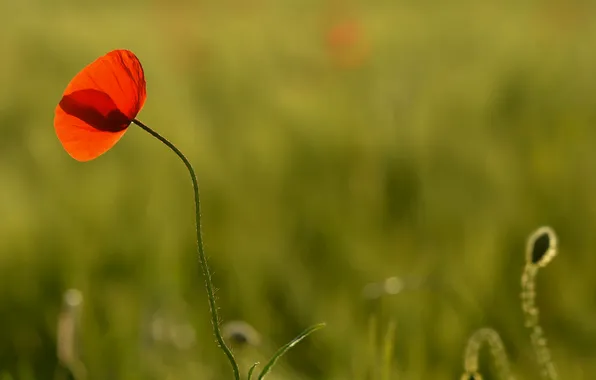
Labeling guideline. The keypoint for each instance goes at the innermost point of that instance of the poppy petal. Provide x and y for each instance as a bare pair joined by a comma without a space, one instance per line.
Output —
99,104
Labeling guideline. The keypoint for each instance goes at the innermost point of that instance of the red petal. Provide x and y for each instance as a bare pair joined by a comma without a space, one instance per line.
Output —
99,104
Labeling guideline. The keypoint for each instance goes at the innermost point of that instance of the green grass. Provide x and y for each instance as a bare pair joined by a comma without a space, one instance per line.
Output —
467,126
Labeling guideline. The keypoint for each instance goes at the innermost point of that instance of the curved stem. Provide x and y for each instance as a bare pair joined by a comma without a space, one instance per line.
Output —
497,348
531,313
202,257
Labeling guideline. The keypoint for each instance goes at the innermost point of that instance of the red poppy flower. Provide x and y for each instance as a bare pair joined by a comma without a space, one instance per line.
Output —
99,104
346,43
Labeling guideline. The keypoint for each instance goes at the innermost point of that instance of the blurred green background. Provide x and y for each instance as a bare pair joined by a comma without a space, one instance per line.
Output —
337,143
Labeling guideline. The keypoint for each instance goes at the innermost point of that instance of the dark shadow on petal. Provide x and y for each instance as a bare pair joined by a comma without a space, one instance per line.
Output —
95,108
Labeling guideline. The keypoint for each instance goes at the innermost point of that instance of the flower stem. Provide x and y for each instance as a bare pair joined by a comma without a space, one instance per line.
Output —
202,257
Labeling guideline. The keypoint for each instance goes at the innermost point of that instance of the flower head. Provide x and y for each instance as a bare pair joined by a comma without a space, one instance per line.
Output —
99,104
346,43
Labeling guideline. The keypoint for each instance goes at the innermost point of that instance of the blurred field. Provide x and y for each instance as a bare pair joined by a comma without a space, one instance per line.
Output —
337,143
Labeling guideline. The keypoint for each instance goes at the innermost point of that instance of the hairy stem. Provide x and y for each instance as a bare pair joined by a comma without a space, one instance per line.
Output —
528,297
201,250
541,249
497,349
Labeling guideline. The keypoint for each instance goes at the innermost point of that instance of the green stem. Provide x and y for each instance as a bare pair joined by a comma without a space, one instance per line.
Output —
202,257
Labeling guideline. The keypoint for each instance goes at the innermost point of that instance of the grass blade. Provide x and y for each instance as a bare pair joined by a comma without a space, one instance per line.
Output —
388,346
251,370
287,347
